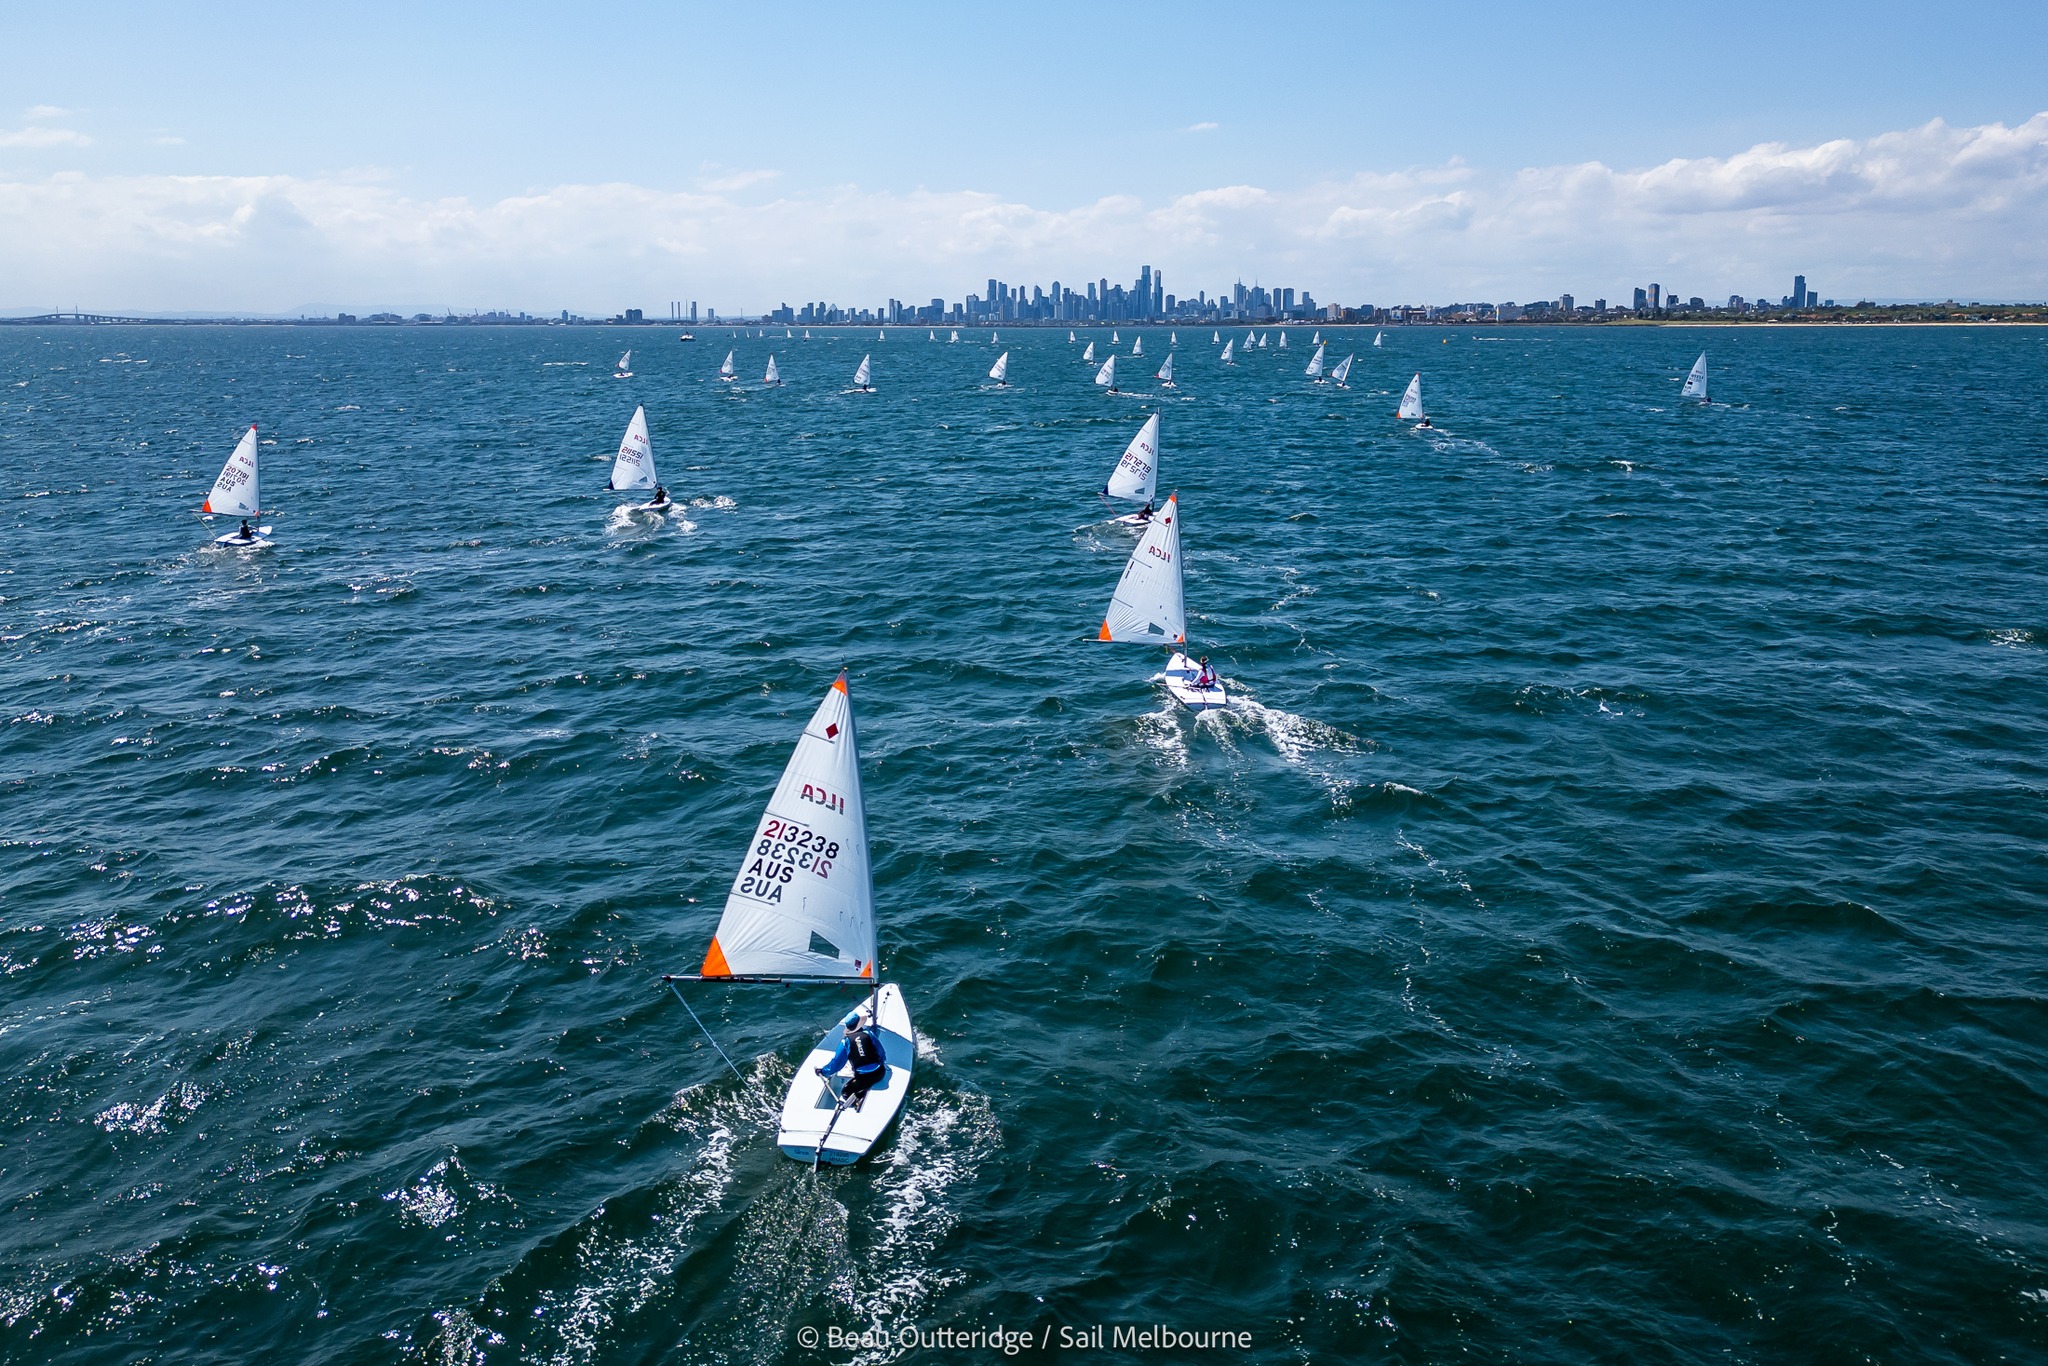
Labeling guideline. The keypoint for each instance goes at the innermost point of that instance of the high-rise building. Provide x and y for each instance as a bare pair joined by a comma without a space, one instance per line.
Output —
1799,291
1656,297
1642,299
1564,303
1159,304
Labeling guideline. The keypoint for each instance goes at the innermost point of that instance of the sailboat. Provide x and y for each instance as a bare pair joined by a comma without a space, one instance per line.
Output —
1317,339
932,335
235,495
726,372
1166,372
1315,365
1173,339
882,334
1283,341
1147,607
1089,354
786,335
625,367
953,337
802,909
1000,371
1136,475
1114,339
1250,340
1137,346
1411,403
1215,337
1106,376
993,340
807,334
773,376
1341,376
633,467
860,378
1696,382
1228,348
1070,338
1378,337
1262,341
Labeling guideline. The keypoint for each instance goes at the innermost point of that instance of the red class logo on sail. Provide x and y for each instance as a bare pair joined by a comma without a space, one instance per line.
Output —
824,799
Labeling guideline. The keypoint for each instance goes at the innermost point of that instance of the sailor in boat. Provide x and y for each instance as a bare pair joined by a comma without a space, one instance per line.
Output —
660,497
1145,512
247,533
864,1052
1205,677
1425,423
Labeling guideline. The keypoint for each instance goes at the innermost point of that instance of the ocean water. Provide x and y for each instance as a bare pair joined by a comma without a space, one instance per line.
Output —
1607,924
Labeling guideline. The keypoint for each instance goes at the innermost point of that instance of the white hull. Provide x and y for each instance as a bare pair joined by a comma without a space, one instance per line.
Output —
1180,675
808,1107
1130,519
234,540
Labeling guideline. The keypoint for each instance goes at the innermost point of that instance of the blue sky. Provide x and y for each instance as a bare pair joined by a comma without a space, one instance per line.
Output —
264,157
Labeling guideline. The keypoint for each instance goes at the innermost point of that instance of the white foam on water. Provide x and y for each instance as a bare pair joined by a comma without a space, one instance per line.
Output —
1161,730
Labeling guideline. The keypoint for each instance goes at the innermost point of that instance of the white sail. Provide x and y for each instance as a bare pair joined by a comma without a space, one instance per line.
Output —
1166,370
1137,472
932,335
773,376
1696,382
1376,337
1411,401
1173,339
1215,337
1342,374
235,492
1114,339
882,334
860,376
1147,605
1228,347
1250,340
625,362
1283,341
807,334
787,336
726,370
1000,371
1317,339
1089,354
993,339
953,336
1137,346
1262,341
1070,338
803,902
1315,363
634,467
1106,376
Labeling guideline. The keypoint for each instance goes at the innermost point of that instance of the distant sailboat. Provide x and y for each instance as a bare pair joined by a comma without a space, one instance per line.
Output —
1137,346
994,340
1000,371
624,370
802,909
1228,348
726,371
1283,341
1089,354
1262,341
953,337
1173,339
882,334
1136,475
1377,337
235,494
1148,608
807,334
786,336
1341,376
1070,338
1315,365
1215,337
633,467
1106,376
1114,339
1411,403
861,377
773,376
1317,339
932,335
1166,372
1696,382
1250,340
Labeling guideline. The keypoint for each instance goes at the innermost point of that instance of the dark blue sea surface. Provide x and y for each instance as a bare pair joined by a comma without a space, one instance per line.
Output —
1607,924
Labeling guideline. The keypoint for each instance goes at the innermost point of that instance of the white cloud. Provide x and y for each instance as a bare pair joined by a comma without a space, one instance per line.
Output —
1927,211
44,137
1202,127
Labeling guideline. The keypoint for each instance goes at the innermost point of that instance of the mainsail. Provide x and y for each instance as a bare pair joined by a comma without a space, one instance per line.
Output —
1227,347
803,902
234,493
634,467
1166,370
1696,382
726,370
1342,374
1000,371
1411,401
1147,605
1089,354
773,376
1137,346
1376,337
860,376
1137,472
1315,363
1106,376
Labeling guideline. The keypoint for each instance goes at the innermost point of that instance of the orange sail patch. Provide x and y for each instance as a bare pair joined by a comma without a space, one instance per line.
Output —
714,961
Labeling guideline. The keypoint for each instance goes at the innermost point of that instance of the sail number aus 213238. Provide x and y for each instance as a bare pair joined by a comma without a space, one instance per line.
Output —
783,848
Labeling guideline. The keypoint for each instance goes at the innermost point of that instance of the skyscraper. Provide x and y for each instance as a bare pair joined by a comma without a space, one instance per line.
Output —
1799,291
